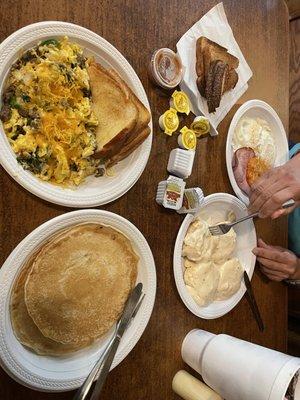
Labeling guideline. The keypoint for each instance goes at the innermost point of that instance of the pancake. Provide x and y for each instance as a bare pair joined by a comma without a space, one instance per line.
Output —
24,328
79,283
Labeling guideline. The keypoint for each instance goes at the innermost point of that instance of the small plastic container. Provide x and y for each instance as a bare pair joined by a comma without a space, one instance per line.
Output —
192,200
169,121
161,188
181,162
170,193
187,139
180,102
200,126
166,69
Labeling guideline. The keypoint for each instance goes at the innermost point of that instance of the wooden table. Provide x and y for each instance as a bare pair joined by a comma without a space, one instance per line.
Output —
137,28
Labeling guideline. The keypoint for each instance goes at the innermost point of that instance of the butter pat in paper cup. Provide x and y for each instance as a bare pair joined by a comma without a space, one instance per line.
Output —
214,26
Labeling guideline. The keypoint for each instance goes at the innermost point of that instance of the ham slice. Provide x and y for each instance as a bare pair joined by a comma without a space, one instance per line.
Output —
239,165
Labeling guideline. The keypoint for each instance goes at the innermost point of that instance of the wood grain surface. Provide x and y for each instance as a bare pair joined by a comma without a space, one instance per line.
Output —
137,28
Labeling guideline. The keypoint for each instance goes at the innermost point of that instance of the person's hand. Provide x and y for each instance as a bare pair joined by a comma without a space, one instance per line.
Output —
276,187
276,262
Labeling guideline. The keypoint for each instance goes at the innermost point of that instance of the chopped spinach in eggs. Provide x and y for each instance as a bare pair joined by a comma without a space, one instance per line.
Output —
47,114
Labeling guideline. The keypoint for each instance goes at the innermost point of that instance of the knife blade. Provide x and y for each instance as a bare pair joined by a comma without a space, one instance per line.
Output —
127,315
253,303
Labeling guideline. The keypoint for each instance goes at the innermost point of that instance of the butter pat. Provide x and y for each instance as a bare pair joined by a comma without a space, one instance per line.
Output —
169,121
200,126
180,102
190,388
187,139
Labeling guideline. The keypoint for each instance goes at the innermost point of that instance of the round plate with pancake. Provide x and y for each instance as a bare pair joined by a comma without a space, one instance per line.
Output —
218,204
93,191
55,374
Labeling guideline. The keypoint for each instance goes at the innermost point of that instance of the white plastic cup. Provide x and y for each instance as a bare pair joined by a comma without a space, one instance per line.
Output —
237,369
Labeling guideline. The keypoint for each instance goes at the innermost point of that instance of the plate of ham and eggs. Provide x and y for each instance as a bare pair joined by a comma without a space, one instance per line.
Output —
256,142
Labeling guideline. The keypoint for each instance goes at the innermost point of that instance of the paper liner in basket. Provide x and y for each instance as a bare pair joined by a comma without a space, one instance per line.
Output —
214,26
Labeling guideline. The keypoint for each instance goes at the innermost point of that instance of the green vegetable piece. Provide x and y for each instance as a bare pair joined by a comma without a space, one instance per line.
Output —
13,102
32,163
54,42
26,98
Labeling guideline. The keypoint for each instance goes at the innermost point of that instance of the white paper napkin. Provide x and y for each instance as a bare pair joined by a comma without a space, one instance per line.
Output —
214,26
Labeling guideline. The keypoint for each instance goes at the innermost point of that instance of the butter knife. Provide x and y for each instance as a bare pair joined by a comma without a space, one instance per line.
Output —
104,363
124,321
253,303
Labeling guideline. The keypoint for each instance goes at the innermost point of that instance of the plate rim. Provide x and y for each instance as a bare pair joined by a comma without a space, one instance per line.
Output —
7,275
36,186
237,116
177,260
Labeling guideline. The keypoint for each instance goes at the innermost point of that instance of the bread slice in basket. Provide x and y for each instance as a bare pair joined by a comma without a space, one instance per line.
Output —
211,58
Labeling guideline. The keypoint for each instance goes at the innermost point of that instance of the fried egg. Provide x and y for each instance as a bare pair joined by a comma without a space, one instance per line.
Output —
255,133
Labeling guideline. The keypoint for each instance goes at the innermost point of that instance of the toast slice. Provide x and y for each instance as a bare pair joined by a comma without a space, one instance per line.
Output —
141,131
200,46
116,112
129,147
216,79
213,51
231,80
143,113
207,52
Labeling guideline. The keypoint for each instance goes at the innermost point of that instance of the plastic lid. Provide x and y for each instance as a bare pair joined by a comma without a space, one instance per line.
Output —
193,346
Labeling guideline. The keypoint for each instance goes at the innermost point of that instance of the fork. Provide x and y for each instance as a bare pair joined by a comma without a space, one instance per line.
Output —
221,229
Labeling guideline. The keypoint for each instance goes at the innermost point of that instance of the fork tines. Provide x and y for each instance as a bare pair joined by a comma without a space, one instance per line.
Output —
217,230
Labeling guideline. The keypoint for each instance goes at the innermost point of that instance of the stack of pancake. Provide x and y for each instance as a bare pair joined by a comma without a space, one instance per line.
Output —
122,118
73,290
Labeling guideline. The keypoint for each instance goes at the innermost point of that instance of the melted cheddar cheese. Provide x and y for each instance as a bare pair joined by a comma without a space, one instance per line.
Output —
46,112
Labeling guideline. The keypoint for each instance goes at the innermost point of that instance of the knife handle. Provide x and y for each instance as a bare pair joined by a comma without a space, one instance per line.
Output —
252,302
84,389
106,368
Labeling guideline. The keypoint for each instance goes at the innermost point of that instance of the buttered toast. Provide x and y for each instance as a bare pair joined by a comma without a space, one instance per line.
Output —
116,113
123,119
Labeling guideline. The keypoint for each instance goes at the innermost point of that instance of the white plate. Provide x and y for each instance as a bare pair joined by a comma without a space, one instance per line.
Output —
55,374
94,191
220,203
257,109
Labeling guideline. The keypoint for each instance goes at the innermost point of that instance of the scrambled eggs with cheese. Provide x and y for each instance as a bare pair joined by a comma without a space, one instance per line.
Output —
46,112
